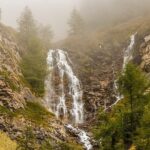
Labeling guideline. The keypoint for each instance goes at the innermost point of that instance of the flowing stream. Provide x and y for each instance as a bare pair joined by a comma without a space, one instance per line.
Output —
64,93
84,138
127,57
128,53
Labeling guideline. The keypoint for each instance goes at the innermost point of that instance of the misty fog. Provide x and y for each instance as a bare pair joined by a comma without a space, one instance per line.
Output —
56,12
52,12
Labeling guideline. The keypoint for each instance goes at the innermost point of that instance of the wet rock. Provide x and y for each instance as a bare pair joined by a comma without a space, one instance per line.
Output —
145,55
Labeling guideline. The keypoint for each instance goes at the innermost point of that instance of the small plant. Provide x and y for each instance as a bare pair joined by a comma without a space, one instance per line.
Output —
46,145
28,141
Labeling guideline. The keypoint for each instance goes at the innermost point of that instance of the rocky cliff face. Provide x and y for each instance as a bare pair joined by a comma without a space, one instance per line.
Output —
96,70
17,117
98,59
145,54
13,92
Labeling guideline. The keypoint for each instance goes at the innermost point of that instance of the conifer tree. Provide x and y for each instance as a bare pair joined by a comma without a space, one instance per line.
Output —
33,62
76,23
27,26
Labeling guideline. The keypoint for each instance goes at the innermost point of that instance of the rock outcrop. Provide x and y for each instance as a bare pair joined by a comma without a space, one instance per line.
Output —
15,116
13,92
145,54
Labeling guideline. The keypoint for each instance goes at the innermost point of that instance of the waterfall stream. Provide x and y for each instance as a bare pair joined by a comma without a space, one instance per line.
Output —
59,65
127,57
84,138
128,53
64,93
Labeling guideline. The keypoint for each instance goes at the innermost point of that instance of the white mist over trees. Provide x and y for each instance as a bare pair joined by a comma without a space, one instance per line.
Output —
76,23
36,41
56,12
108,12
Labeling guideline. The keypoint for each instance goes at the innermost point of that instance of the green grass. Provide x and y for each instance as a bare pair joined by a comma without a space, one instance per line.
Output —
36,113
70,146
33,112
6,75
6,111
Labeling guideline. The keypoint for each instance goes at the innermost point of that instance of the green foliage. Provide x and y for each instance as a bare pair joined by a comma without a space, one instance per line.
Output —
36,113
127,123
142,140
27,27
33,111
70,146
36,43
133,83
6,111
46,145
33,66
28,141
6,76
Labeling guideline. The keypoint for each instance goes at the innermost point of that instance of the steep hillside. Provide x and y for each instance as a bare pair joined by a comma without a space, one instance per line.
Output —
98,57
22,115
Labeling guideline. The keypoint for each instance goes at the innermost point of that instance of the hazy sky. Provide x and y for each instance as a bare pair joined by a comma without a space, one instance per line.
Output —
53,12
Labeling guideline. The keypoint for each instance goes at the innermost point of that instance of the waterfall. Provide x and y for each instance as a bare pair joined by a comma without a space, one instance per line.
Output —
129,51
56,100
60,84
84,138
127,57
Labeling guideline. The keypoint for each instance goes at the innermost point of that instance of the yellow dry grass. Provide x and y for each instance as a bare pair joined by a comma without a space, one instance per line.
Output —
6,143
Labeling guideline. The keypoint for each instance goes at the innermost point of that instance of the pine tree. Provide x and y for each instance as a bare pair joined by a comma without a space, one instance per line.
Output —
133,84
46,35
34,56
27,26
127,124
76,23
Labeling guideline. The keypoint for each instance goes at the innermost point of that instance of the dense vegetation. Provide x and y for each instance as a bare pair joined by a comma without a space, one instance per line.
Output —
35,41
127,124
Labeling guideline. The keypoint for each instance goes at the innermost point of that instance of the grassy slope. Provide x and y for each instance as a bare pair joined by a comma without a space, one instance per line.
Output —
6,143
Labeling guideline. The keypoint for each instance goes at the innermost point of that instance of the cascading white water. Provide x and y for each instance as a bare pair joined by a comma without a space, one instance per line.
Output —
84,138
129,51
58,60
128,56
59,63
